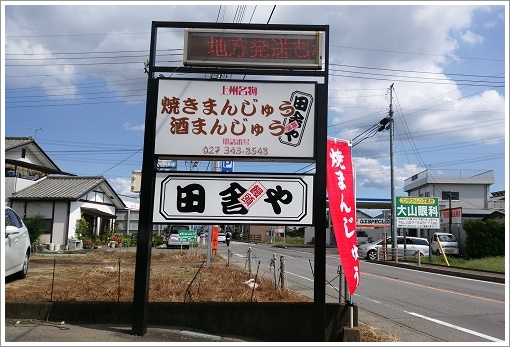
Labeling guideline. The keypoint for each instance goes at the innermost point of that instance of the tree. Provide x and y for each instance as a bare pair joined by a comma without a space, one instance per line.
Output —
82,230
484,238
35,226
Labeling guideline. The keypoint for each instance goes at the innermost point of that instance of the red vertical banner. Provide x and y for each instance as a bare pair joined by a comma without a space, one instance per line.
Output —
342,208
214,239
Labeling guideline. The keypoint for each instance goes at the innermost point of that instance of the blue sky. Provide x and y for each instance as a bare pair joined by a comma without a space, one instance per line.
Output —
447,63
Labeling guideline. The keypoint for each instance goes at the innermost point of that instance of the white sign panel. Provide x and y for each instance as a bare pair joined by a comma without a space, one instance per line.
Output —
412,222
215,198
236,119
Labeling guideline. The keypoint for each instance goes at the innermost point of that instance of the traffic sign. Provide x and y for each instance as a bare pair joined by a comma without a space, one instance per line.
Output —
187,235
227,166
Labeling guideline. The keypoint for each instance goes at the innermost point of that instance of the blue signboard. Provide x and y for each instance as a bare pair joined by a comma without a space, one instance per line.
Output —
227,166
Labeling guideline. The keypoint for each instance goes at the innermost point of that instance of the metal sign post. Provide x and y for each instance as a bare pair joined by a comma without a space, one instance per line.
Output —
236,120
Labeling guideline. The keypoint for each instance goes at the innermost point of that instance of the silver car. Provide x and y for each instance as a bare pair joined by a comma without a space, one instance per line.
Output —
17,245
413,246
173,241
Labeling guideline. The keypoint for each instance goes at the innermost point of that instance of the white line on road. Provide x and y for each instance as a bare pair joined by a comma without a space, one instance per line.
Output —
456,327
490,338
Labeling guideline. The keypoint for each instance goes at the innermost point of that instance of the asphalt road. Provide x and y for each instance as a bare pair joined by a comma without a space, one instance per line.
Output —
412,304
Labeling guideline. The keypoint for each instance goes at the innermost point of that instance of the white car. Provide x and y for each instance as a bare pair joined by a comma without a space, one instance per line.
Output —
413,245
448,242
221,237
17,245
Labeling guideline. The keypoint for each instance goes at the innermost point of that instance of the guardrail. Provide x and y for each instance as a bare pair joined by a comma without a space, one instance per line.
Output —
398,253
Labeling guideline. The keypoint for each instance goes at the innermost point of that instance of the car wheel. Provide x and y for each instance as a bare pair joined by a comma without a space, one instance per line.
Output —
372,255
23,273
438,252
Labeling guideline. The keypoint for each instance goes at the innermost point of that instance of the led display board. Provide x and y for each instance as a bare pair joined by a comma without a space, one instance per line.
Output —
252,48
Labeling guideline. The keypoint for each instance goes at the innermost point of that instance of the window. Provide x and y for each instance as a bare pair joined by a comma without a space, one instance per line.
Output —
445,195
12,219
420,242
361,233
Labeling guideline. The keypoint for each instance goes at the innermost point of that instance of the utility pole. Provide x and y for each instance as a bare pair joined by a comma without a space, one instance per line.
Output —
450,212
393,202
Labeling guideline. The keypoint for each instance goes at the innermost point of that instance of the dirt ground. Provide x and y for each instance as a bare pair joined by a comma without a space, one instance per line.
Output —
107,274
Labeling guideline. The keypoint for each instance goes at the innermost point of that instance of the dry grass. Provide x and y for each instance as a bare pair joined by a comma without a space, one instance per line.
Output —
174,277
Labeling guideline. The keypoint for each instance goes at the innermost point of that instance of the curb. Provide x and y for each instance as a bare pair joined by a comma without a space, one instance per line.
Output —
455,271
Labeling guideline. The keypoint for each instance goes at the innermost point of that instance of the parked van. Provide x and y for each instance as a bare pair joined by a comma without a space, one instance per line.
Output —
448,243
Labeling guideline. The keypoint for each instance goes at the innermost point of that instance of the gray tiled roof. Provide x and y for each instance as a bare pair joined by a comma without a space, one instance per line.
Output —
45,163
13,142
57,187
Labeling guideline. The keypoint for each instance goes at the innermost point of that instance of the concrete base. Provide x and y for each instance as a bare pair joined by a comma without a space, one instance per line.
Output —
351,334
262,321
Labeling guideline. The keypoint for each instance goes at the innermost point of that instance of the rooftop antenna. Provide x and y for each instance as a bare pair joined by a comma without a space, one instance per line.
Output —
35,132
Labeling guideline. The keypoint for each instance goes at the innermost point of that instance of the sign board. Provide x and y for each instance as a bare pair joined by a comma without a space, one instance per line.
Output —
227,166
170,165
256,121
187,235
216,198
372,223
456,215
136,181
417,212
253,48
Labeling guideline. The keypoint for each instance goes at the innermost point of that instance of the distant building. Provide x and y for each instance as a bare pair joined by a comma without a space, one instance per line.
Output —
462,193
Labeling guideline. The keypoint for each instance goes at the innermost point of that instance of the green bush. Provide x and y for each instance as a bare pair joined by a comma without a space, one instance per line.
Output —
484,238
35,226
295,232
157,240
82,231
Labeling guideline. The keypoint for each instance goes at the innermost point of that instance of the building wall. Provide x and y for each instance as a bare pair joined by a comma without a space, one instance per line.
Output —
128,216
470,196
60,224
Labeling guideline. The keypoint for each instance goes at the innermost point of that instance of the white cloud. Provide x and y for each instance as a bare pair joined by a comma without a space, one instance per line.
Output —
122,186
134,127
472,38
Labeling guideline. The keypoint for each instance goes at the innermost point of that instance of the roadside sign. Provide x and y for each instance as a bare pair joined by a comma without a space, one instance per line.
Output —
187,235
227,166
456,215
253,48
417,212
228,119
212,198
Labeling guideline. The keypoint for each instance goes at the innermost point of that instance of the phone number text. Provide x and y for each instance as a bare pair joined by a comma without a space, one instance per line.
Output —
234,150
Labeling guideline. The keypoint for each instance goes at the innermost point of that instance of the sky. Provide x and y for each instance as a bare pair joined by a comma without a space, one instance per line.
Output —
73,78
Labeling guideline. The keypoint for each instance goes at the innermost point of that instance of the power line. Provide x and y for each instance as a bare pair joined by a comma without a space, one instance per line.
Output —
271,15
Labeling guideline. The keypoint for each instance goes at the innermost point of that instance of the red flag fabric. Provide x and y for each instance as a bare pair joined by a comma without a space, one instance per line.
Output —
342,208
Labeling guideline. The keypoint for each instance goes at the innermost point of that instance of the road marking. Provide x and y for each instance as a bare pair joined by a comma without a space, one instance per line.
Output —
303,277
437,289
456,327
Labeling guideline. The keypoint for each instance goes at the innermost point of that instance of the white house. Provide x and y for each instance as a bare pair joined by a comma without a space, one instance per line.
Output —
35,185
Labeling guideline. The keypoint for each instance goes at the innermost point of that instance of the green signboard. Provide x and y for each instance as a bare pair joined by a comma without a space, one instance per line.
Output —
187,235
417,212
